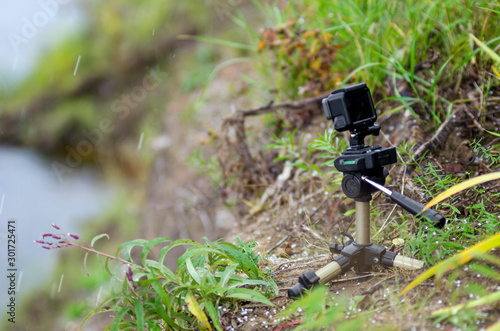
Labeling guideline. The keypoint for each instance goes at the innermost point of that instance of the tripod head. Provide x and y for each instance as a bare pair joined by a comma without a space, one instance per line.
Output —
352,109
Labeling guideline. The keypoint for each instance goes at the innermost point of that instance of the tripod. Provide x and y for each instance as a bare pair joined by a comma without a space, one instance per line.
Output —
364,173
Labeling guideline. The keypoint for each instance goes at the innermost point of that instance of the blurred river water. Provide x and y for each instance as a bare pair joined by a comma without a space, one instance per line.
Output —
33,196
30,192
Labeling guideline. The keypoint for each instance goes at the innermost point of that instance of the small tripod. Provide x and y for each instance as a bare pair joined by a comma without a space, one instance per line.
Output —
364,174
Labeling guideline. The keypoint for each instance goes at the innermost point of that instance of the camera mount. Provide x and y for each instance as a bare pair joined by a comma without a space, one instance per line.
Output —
364,173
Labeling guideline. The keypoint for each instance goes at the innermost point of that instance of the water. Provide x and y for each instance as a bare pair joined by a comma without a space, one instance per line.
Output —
34,197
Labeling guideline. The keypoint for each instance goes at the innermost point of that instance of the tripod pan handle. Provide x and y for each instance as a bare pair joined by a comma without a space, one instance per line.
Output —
416,208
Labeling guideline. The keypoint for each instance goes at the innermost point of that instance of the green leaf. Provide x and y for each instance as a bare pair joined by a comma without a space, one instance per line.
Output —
85,263
128,247
245,282
180,242
350,212
318,170
453,245
192,271
92,313
146,282
96,238
160,310
282,158
118,318
207,276
139,314
197,251
247,265
212,312
166,272
226,275
161,293
248,295
147,248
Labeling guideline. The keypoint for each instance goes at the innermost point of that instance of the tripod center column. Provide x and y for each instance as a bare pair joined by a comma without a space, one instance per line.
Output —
363,222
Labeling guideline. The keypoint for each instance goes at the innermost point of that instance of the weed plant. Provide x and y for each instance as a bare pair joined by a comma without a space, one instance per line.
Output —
208,277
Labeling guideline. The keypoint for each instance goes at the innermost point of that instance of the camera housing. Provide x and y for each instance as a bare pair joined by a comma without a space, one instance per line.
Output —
350,108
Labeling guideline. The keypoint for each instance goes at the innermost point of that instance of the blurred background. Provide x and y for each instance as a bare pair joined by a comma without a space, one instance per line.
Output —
100,108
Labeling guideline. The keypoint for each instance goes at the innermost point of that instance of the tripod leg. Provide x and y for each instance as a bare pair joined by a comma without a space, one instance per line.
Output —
309,279
390,259
408,263
329,272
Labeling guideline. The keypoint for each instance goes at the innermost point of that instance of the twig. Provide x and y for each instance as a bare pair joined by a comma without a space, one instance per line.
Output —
237,120
278,244
479,126
439,137
270,107
354,278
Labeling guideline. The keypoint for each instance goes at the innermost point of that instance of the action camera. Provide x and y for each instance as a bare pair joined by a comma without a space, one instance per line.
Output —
350,108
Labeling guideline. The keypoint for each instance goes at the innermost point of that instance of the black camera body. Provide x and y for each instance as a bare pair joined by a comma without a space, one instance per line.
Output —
350,108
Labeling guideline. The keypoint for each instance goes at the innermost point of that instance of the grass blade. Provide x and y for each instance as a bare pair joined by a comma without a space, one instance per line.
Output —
485,48
490,298
460,187
455,261
494,327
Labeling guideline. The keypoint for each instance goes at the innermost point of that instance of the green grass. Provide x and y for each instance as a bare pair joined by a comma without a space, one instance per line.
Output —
380,41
